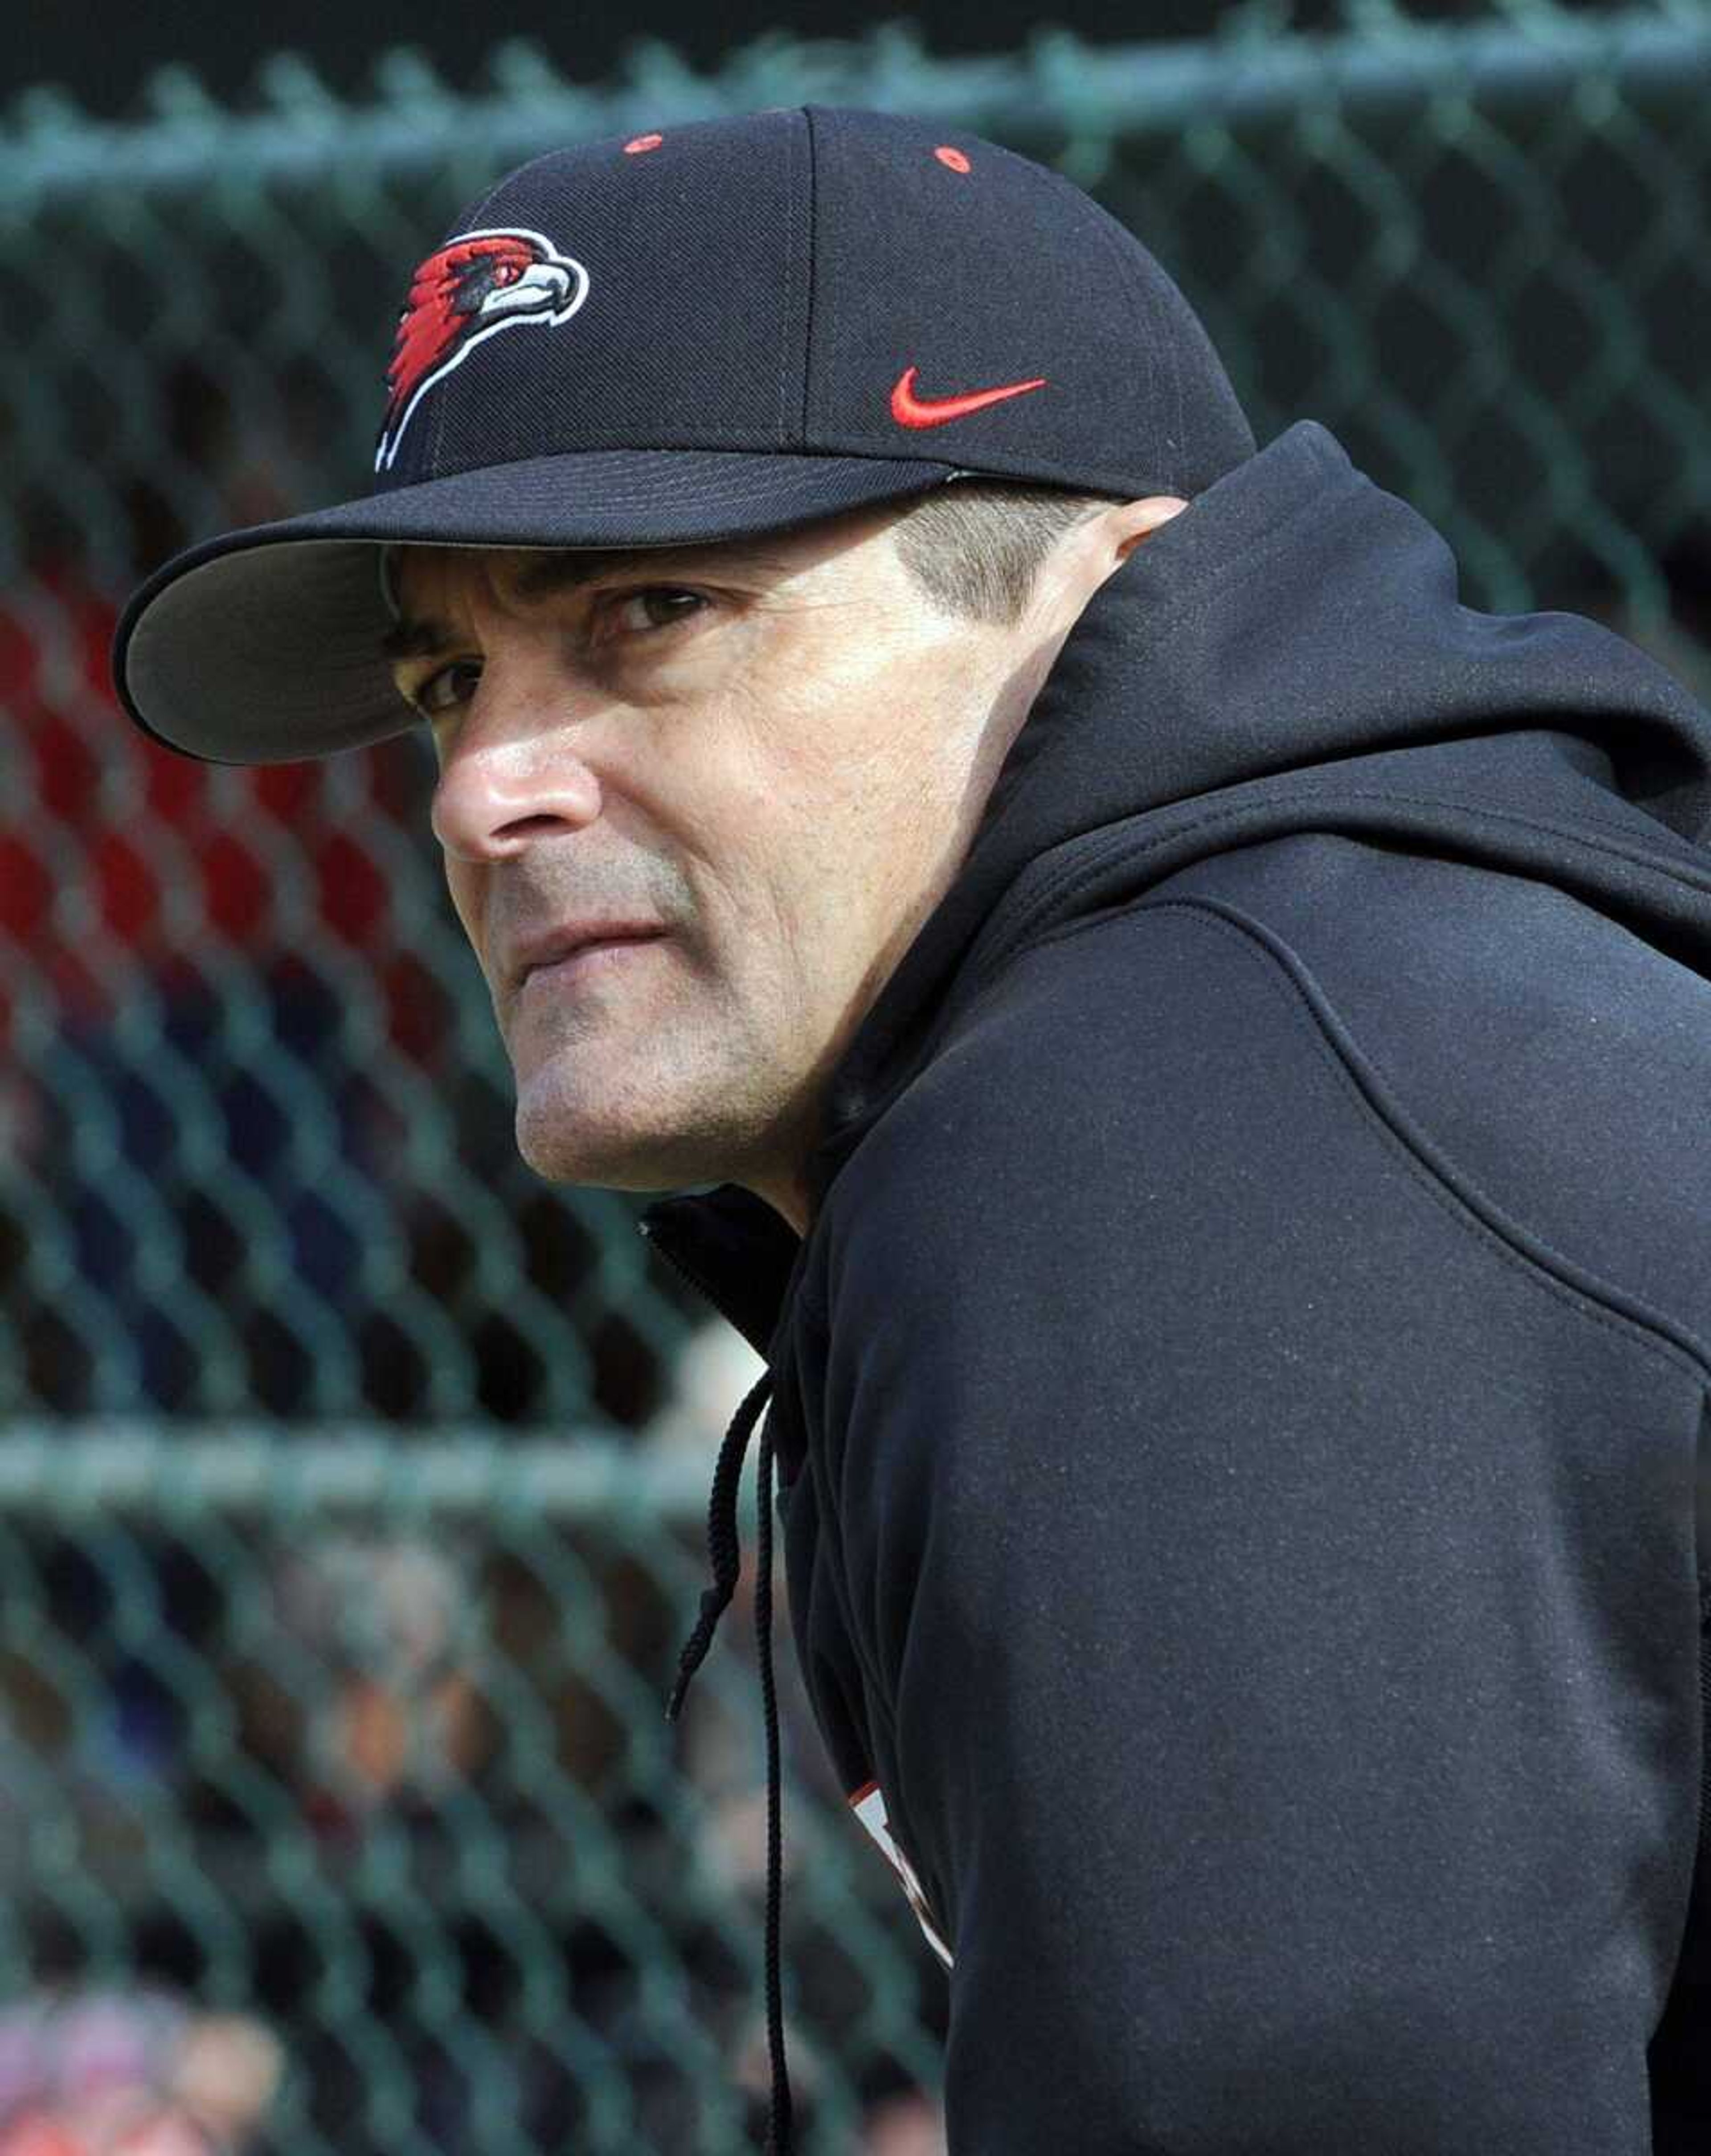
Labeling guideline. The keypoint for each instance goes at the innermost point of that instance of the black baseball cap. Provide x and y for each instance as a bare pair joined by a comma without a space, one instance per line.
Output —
718,329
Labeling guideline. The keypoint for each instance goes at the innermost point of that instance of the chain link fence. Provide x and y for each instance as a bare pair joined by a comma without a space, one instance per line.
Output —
350,1478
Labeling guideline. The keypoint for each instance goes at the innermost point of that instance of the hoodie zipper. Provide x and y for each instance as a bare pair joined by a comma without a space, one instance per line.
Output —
687,1272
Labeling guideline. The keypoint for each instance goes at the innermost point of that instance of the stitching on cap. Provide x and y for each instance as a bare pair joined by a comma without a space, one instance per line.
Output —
796,308
808,321
1165,381
1153,305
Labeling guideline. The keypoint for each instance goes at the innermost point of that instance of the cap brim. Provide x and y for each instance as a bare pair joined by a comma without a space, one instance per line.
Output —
263,645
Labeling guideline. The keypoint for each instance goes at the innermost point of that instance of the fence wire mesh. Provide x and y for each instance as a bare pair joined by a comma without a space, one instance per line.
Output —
351,1478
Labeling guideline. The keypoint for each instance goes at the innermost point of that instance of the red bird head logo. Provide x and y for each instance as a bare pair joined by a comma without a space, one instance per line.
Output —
477,285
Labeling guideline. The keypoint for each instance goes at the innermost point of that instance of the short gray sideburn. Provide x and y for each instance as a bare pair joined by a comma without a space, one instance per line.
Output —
975,547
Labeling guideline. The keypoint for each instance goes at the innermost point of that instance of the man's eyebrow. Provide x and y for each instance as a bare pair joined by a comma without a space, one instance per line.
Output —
410,638
563,569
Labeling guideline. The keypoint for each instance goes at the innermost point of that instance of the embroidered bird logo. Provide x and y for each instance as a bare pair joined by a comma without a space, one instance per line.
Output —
474,286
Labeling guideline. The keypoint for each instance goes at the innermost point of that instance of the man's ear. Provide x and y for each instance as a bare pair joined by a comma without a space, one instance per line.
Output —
1134,522
1095,549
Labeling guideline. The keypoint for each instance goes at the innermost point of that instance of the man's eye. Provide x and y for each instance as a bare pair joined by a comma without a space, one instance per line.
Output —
661,607
461,676
646,596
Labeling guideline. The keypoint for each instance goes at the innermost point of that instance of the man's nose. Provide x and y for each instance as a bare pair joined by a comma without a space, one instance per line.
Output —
512,771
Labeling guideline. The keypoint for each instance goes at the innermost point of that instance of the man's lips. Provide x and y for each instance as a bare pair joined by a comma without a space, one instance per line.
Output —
562,944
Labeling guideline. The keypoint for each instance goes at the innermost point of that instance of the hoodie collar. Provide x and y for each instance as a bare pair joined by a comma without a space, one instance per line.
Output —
733,1247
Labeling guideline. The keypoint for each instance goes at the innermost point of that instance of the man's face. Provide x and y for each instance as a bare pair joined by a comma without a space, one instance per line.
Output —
775,753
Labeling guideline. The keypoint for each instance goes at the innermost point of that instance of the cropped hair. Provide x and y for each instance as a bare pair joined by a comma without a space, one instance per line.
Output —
975,547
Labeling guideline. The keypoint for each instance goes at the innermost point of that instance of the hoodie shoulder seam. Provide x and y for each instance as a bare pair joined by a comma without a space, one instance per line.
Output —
1092,860
1592,1297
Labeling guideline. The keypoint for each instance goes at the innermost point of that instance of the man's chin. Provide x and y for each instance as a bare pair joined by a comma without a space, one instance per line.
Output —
606,1151
577,1155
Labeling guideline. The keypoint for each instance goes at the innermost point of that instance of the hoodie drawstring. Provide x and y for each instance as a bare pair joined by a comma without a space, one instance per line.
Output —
725,1550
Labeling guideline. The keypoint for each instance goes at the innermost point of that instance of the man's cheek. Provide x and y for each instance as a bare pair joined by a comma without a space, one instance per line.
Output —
726,664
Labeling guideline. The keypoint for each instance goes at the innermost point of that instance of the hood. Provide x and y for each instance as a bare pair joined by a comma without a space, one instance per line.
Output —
1287,653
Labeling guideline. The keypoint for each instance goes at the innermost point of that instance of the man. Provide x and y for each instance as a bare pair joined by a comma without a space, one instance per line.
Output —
1202,1044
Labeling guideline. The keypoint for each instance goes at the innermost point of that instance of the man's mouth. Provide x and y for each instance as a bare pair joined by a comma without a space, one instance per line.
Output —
582,960
535,954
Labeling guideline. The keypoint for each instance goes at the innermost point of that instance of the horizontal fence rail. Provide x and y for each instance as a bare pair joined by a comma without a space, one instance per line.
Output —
1253,72
69,1471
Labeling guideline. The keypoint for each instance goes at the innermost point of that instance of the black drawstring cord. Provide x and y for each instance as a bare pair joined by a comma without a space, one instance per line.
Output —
725,1550
722,1545
778,2125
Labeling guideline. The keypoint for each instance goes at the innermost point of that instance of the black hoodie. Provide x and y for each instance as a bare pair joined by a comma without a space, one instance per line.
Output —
1241,1397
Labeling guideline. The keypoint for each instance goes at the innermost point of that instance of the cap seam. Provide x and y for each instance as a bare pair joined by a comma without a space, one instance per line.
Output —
1162,355
813,271
799,153
476,213
1164,376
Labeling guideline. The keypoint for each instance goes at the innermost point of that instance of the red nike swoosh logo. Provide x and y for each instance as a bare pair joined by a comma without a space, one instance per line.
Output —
909,410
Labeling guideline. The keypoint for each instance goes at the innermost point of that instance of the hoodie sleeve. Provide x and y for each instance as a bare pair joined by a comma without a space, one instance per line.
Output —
1277,1595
